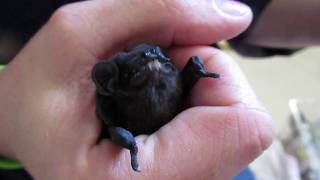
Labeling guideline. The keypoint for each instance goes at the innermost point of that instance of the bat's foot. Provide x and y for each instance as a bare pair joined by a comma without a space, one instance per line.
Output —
125,139
196,64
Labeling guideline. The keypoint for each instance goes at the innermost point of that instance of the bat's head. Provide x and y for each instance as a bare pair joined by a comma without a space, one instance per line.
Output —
146,64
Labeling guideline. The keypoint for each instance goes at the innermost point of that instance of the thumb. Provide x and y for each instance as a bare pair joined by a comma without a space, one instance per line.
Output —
106,26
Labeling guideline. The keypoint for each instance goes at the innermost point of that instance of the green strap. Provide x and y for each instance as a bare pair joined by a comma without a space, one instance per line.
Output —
4,162
9,164
2,67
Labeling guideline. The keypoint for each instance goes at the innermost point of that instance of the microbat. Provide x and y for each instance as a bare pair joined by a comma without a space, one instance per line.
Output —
141,90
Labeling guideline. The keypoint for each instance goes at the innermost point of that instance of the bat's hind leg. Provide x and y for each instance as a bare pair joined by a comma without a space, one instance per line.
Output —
124,138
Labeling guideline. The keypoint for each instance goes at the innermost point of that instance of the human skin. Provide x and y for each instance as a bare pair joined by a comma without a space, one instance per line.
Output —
48,119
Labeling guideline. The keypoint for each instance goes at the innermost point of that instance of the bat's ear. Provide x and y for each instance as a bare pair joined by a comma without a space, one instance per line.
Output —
105,76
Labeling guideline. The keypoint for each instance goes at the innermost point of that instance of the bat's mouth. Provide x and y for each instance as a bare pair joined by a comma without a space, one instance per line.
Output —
154,65
150,72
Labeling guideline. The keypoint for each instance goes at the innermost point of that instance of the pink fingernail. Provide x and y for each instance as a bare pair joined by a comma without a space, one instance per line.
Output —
234,8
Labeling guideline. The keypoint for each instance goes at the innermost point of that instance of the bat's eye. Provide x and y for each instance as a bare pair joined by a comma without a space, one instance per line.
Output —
169,67
166,59
163,59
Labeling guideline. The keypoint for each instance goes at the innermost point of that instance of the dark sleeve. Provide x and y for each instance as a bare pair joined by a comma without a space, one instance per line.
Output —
280,27
20,20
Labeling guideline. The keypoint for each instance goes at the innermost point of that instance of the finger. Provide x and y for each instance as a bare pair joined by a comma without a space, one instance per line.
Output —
108,25
230,89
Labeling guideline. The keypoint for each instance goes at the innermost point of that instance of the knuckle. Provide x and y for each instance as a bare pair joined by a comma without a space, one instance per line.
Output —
177,7
171,8
63,19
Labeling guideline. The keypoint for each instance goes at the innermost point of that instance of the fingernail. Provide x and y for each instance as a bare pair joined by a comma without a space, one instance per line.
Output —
233,8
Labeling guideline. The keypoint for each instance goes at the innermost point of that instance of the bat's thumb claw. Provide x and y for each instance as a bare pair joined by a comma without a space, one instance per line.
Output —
214,75
203,73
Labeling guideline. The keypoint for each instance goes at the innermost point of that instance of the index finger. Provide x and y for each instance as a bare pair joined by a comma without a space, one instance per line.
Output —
103,26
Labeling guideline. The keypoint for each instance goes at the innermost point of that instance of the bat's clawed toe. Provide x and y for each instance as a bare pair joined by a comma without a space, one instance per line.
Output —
125,139
134,158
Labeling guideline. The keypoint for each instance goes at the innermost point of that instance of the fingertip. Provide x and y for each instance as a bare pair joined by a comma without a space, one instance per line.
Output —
232,9
234,17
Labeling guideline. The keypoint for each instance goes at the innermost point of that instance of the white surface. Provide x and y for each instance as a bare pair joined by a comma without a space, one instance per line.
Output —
278,79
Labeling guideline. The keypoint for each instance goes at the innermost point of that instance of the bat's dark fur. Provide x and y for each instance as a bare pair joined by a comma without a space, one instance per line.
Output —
140,91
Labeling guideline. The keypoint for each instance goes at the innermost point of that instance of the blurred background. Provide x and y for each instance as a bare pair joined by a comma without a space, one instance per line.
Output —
280,81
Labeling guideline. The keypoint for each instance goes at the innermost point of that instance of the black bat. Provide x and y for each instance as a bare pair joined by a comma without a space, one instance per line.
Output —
141,90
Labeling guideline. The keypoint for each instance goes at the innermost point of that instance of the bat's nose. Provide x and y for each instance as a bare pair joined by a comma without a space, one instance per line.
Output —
154,65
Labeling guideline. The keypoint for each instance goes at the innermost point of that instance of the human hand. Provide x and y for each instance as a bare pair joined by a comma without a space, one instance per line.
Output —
48,117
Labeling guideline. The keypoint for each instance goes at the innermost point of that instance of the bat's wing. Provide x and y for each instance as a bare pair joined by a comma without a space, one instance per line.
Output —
192,72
